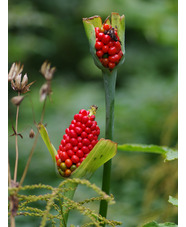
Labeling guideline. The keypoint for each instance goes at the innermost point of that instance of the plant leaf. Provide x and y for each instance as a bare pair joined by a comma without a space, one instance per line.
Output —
155,224
173,201
44,134
103,151
168,153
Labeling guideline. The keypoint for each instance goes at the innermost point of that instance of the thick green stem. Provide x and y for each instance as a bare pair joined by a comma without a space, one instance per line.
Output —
109,87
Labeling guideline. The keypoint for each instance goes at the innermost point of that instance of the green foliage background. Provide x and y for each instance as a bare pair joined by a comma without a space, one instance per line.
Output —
146,97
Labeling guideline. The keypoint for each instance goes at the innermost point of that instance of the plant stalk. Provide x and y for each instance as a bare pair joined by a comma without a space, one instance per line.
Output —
109,87
33,147
16,145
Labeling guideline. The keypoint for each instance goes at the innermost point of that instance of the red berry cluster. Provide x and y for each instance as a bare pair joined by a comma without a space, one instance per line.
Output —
108,46
80,138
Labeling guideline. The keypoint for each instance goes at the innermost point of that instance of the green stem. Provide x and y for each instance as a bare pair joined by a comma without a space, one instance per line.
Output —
109,87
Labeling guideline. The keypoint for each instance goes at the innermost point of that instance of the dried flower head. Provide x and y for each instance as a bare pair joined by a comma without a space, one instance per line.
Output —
16,100
15,76
15,70
45,90
47,71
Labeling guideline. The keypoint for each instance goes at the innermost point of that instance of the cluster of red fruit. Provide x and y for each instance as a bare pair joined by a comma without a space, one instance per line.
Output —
80,138
108,46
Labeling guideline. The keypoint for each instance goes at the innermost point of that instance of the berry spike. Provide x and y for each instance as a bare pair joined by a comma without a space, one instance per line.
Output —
79,139
108,46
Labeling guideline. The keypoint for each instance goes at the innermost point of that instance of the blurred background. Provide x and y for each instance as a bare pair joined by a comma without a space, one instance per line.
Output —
145,104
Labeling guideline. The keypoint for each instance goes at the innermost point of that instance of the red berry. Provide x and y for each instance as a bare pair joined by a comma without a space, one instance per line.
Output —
68,162
83,112
82,159
75,149
75,159
85,149
72,126
105,48
84,119
111,43
73,141
79,139
63,142
83,126
57,157
80,145
105,62
89,123
84,135
98,45
112,50
100,36
67,130
87,130
111,65
67,172
60,147
106,39
93,142
91,137
86,142
80,153
99,53
70,153
66,138
73,122
90,147
106,26
72,134
78,117
63,156
78,164
78,130
97,30
68,146
92,117
59,162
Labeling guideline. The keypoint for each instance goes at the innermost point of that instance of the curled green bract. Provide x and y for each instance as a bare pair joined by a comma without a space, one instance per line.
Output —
116,21
103,151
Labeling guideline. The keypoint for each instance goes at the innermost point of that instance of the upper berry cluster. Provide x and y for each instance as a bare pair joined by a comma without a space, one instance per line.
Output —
80,138
108,46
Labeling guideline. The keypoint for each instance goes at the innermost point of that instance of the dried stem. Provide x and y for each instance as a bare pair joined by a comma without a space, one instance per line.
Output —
16,144
33,147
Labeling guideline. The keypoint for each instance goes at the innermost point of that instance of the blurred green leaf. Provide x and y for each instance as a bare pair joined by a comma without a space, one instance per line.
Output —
168,153
173,201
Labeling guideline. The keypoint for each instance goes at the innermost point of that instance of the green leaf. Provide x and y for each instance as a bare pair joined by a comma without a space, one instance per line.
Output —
44,134
173,201
155,224
168,153
103,151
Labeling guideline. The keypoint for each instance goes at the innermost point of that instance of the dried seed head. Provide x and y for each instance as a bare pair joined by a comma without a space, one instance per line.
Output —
16,100
15,70
31,134
46,71
44,91
19,86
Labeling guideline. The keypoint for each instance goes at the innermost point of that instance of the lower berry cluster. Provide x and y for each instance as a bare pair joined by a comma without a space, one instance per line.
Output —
79,139
108,46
